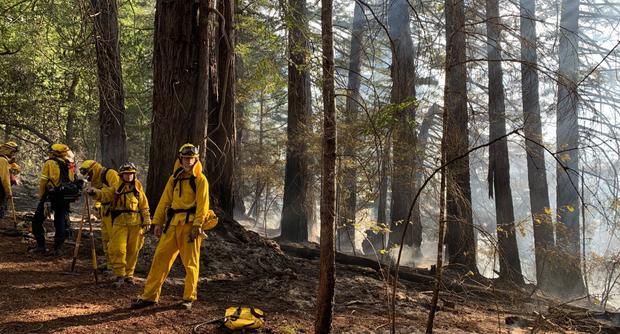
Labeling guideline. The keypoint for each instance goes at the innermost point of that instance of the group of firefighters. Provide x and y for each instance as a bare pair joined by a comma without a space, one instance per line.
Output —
179,219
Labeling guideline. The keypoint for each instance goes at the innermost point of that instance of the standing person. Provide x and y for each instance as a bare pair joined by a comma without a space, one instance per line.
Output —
178,223
56,185
130,219
99,178
7,152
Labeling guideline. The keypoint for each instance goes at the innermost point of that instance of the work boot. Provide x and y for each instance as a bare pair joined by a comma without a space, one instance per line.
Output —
186,304
119,282
130,281
37,250
141,303
58,252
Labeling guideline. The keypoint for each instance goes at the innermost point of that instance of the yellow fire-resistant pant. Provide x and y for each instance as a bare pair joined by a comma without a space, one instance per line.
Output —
106,230
124,246
172,243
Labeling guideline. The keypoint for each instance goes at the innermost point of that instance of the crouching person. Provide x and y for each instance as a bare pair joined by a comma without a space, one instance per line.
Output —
178,221
129,210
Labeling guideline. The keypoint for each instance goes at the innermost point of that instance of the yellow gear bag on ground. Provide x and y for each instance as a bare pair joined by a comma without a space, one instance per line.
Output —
244,318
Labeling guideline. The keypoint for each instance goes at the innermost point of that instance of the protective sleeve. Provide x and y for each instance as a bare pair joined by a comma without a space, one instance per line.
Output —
5,175
44,179
202,200
143,206
105,194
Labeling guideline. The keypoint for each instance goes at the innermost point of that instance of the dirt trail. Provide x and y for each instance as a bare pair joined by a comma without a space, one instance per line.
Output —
36,296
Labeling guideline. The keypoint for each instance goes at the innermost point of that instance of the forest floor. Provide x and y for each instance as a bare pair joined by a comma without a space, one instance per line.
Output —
38,296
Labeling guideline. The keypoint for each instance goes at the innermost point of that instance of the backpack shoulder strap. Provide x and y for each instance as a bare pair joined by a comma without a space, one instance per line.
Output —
192,182
104,176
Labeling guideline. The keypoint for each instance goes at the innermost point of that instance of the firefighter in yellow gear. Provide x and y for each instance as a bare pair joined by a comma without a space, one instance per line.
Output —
56,185
7,152
101,177
178,222
129,210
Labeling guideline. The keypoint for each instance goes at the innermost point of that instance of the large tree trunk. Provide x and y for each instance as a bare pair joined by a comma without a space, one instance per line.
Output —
569,279
70,133
348,190
221,153
499,164
239,194
180,86
536,171
403,93
375,238
460,239
327,275
111,96
296,206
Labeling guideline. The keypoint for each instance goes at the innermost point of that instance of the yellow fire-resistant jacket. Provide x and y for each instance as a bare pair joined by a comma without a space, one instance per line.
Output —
5,176
128,203
50,175
180,195
111,177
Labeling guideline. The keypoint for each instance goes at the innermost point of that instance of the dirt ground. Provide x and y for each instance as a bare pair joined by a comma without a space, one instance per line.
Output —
38,296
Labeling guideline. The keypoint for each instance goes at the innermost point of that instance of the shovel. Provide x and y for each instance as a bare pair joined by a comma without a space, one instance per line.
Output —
77,242
14,213
93,252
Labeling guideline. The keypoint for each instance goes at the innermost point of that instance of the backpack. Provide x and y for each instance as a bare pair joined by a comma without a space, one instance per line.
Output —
244,318
66,189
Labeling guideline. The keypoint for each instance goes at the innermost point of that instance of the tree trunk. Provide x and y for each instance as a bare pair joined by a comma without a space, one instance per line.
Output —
499,164
180,86
348,190
460,239
327,277
71,111
569,276
239,194
260,182
221,153
296,206
403,93
536,171
111,96
375,240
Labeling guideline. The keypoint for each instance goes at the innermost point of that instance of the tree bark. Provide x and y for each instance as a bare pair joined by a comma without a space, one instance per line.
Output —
569,276
180,86
404,145
222,131
544,242
296,206
327,277
111,96
499,164
71,110
348,190
375,240
239,194
460,239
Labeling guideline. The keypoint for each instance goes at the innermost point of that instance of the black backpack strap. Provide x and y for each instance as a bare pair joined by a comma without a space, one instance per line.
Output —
104,176
192,182
177,179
